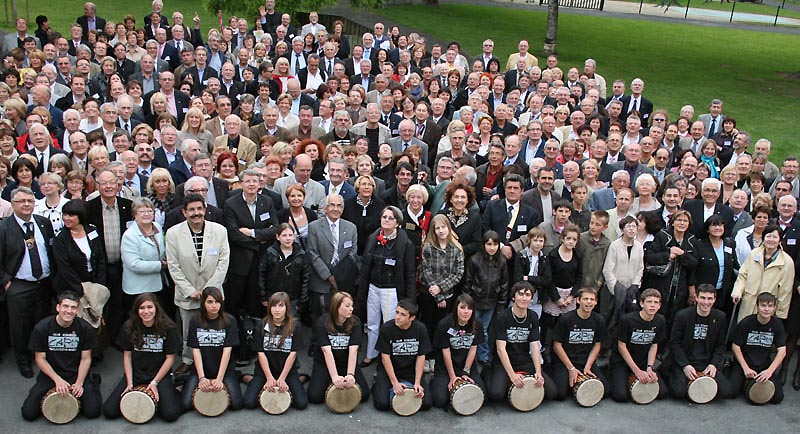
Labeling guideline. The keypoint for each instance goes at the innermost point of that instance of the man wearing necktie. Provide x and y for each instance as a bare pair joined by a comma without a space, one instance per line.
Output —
25,274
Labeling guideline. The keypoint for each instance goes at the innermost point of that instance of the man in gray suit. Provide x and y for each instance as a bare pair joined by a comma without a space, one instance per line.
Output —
606,198
741,218
631,163
332,244
406,139
12,40
712,121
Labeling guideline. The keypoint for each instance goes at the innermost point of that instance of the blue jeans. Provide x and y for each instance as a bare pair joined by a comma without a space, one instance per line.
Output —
485,315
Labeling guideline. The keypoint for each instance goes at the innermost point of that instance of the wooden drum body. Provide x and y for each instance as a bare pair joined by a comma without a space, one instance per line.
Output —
342,400
211,404
588,391
642,393
60,409
527,397
274,401
138,405
466,398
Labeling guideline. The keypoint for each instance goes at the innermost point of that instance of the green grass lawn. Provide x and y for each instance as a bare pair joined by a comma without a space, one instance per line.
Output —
741,7
680,63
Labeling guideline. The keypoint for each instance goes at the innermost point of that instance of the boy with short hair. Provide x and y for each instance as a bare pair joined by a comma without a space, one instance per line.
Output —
533,267
593,246
552,229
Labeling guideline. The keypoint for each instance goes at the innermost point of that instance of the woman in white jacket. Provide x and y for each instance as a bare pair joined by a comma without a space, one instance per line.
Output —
622,271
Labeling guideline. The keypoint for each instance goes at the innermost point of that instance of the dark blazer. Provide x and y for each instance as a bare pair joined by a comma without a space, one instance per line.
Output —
171,55
94,214
179,172
645,109
695,208
347,191
12,238
302,76
126,68
56,116
199,85
53,151
406,268
682,338
72,264
366,223
181,104
160,157
355,78
221,190
237,72
133,123
244,249
72,51
533,198
469,233
277,199
707,270
524,150
607,171
495,217
234,93
175,216
65,102
83,20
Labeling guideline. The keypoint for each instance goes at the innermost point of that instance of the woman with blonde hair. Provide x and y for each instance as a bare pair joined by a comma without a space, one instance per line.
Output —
161,191
158,105
194,127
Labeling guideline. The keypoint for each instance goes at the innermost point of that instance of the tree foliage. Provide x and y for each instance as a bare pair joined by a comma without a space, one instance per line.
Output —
249,8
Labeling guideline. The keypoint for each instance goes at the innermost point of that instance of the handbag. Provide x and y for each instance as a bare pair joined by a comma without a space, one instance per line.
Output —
660,270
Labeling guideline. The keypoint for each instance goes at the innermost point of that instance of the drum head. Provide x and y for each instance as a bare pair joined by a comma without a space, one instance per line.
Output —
526,398
211,404
60,409
406,404
137,406
702,390
644,393
467,399
589,392
274,402
342,400
760,393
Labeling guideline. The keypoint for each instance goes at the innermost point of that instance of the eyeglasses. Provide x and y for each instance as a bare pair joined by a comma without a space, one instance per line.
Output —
145,211
23,201
198,190
387,217
659,119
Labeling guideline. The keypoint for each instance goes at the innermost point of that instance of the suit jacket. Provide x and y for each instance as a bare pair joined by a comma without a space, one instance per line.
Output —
260,130
745,220
56,116
65,102
533,198
320,250
94,215
705,118
83,20
246,152
126,68
539,151
397,147
10,41
12,238
234,93
181,104
138,77
432,136
73,265
175,216
346,190
179,171
602,199
695,208
608,171
355,78
237,72
245,250
384,134
52,151
315,133
161,65
707,270
199,85
221,190
645,109
495,217
160,157
189,274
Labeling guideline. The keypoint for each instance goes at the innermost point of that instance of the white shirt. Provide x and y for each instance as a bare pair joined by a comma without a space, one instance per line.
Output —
708,212
24,272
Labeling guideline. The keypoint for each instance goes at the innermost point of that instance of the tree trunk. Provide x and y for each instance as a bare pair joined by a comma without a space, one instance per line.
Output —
552,28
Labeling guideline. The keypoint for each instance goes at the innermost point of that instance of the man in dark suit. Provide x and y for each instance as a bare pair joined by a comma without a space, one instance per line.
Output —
26,268
312,69
252,223
509,217
364,75
427,130
636,102
166,81
533,145
169,151
228,86
43,148
111,215
195,185
181,168
337,169
216,189
332,244
201,72
296,56
631,164
125,66
701,209
90,17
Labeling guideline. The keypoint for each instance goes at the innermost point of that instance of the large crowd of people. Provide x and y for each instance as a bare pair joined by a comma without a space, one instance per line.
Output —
197,199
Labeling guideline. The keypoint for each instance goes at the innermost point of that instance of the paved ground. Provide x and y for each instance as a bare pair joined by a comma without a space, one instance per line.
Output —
667,416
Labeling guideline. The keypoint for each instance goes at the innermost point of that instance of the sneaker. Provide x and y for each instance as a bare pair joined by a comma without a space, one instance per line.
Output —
429,366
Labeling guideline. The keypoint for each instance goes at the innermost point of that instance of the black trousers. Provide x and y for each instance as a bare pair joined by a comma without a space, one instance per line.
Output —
382,387
91,401
169,405
230,381
114,312
241,293
497,382
320,304
560,375
28,303
320,380
738,381
441,394
430,313
679,385
299,397
619,383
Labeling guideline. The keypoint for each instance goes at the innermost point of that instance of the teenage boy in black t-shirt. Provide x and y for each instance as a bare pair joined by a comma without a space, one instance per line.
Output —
403,344
514,338
62,346
577,339
640,334
753,340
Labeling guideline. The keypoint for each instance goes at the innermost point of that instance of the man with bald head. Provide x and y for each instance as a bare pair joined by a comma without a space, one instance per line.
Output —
243,147
315,192
41,94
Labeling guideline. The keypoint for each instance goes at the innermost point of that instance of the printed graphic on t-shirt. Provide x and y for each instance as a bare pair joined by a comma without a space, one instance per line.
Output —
517,335
461,342
581,336
760,339
210,337
405,347
63,342
643,337
152,344
272,343
339,342
700,332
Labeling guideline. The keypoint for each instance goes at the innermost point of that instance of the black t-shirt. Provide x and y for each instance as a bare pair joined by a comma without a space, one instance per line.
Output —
756,340
458,339
62,345
340,342
277,353
518,334
148,358
638,335
577,335
211,340
698,353
404,346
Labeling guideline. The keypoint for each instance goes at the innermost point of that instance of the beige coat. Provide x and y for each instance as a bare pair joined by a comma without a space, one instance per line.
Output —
246,152
188,274
618,268
777,279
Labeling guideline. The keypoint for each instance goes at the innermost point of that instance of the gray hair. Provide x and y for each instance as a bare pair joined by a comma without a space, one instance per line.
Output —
195,179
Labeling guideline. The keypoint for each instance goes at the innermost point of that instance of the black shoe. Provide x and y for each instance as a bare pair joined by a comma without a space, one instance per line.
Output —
367,362
183,369
25,369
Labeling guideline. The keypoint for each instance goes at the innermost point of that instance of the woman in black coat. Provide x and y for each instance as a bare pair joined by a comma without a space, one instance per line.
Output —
364,210
673,245
459,198
79,252
709,248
